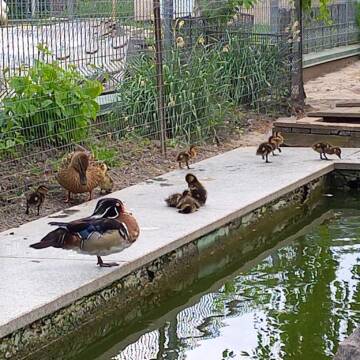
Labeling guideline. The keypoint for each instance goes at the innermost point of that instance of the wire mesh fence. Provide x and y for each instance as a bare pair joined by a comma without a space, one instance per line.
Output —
87,72
340,30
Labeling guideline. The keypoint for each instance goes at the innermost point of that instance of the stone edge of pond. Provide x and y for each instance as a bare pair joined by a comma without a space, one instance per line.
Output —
140,282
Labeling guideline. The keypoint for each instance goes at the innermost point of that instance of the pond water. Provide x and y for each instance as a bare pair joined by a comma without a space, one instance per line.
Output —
297,300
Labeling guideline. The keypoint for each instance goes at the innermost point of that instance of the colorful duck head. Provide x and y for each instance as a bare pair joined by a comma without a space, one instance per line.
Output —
109,208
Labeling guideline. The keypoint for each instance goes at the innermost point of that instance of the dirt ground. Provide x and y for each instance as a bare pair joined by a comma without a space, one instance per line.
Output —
325,91
138,164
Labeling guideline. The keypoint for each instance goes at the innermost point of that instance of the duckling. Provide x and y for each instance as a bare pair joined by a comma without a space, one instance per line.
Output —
197,190
81,176
173,199
326,148
334,150
107,184
187,204
276,139
110,229
186,156
265,149
36,198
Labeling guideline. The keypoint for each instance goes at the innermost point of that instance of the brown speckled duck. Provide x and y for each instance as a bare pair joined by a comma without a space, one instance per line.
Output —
110,229
80,176
187,204
197,190
277,140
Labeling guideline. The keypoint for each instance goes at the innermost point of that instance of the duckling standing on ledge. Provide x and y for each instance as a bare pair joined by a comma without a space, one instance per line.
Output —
197,190
36,198
265,149
187,204
276,139
110,229
186,156
326,148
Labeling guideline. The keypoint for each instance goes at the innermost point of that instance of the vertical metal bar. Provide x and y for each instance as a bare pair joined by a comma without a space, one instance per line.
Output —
302,94
159,73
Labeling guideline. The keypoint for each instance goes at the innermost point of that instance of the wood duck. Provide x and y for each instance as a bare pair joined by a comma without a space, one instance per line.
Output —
110,229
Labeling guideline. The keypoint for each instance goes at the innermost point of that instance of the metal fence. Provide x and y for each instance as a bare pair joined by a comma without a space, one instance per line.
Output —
97,72
341,30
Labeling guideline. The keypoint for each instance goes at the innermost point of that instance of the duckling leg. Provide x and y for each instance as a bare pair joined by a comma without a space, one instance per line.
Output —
27,209
90,195
267,159
279,149
38,210
325,157
187,164
180,166
102,264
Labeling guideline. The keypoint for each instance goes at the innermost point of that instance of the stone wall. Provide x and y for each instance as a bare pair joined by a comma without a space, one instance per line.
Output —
72,329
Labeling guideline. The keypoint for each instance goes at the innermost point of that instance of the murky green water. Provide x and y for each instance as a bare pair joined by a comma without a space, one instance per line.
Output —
296,301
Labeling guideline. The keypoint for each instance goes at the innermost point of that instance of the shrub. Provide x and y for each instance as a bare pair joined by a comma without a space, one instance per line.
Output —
49,105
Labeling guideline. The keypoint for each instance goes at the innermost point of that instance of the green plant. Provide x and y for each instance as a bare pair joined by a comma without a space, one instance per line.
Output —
49,105
104,153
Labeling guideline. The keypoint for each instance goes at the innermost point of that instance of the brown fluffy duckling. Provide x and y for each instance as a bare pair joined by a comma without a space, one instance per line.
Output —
110,229
197,190
36,198
265,149
276,139
187,204
107,184
326,148
81,176
173,199
186,156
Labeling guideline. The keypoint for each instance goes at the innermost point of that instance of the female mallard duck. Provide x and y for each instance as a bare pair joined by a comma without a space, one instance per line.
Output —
186,156
36,198
187,204
81,176
110,229
197,190
265,149
277,140
326,148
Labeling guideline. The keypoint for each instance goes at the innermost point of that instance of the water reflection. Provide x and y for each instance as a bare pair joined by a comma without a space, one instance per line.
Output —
297,303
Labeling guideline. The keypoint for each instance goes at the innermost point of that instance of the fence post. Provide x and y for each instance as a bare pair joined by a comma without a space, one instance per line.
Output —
159,73
168,14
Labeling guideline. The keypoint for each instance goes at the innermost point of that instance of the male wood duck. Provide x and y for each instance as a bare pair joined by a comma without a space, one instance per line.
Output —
110,229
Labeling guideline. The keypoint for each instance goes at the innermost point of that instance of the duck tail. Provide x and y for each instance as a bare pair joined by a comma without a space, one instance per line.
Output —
55,238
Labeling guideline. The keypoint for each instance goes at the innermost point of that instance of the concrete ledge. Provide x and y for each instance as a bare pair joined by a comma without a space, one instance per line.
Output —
238,183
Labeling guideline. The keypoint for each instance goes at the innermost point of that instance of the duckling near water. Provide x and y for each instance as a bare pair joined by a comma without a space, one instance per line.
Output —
197,190
187,204
186,156
276,139
326,148
36,198
265,149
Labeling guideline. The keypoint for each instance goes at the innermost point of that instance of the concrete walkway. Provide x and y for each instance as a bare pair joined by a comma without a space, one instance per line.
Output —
35,283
